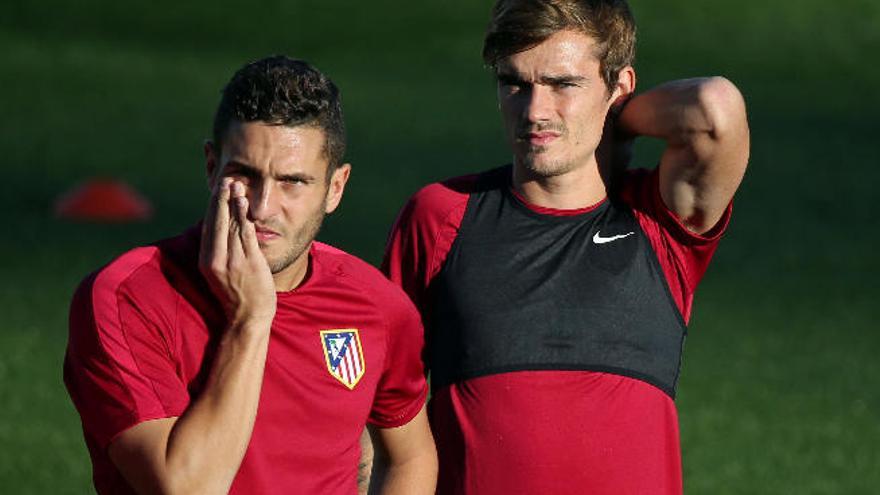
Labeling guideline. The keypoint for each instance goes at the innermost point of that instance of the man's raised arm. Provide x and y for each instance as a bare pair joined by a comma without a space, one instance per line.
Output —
201,451
703,122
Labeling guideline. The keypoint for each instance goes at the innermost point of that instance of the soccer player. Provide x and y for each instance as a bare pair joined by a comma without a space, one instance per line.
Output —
243,356
556,290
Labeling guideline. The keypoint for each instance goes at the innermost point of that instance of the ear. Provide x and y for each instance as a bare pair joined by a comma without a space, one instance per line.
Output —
624,88
337,187
211,160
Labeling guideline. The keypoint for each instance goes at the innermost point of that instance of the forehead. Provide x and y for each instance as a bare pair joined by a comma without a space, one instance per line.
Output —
563,53
263,145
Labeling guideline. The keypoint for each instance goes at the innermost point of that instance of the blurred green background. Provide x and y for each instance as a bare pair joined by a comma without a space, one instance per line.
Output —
781,385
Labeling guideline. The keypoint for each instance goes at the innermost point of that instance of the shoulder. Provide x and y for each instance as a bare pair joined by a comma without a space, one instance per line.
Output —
108,303
133,272
438,209
142,278
360,276
426,228
435,202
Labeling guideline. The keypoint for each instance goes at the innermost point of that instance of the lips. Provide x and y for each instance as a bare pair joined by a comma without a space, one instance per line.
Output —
540,134
265,235
541,138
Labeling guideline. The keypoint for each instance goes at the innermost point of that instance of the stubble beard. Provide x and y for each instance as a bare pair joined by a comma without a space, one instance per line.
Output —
299,243
533,163
533,158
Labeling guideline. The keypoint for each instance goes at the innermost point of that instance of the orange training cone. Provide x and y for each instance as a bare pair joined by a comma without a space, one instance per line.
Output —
103,200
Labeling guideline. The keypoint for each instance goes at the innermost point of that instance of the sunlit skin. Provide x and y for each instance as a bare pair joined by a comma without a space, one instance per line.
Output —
554,103
284,173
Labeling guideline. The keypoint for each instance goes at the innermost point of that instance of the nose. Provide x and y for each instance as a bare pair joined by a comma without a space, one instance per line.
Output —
539,106
262,200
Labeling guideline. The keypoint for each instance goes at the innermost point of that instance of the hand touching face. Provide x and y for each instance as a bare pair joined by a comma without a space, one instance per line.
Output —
284,173
230,258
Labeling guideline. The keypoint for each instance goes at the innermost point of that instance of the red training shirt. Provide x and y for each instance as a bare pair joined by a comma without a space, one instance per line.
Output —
143,330
559,432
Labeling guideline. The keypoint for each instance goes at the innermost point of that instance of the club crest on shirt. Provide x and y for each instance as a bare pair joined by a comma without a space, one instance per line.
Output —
344,356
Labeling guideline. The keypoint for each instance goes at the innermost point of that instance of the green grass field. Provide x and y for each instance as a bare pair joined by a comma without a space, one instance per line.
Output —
781,385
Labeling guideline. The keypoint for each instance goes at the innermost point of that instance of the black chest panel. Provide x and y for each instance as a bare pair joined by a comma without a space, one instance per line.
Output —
525,291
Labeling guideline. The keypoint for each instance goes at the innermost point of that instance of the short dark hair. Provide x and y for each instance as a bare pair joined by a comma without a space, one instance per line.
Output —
518,25
279,90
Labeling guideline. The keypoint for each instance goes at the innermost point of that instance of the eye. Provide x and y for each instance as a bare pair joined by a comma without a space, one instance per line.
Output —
565,85
509,85
294,182
514,89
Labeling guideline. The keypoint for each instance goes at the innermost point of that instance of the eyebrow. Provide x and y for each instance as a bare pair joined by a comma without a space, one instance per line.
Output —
550,80
235,166
566,79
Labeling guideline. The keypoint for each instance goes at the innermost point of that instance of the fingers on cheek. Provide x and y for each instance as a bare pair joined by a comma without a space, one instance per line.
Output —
250,234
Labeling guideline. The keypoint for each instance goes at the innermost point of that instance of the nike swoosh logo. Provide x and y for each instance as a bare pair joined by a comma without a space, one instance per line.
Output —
598,239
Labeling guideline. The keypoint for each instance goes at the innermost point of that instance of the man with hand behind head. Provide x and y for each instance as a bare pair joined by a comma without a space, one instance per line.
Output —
555,290
243,356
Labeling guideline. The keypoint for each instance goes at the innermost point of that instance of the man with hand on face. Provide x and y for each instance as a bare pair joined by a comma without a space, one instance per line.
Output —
243,356
555,291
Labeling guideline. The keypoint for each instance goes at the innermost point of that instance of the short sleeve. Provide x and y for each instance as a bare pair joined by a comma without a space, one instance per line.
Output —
118,368
402,389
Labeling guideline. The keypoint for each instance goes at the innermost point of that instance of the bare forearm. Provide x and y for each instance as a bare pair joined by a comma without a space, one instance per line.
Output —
208,442
201,451
678,111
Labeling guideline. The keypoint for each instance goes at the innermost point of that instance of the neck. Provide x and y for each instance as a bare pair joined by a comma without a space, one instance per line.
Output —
578,188
294,275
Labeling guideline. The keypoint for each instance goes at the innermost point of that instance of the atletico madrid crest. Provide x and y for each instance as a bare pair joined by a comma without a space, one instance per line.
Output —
345,358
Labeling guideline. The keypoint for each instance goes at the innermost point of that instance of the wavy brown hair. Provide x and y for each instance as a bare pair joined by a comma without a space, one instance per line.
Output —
518,25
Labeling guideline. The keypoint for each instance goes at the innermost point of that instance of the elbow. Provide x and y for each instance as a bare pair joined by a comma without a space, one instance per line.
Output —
722,106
